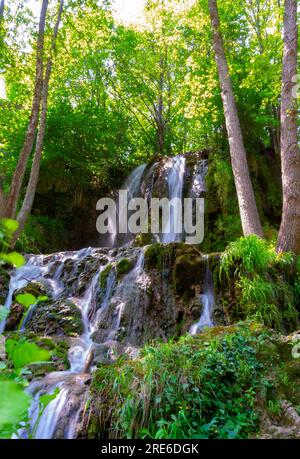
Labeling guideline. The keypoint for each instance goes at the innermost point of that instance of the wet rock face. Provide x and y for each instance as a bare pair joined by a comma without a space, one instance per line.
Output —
34,288
4,282
160,301
15,316
17,310
62,317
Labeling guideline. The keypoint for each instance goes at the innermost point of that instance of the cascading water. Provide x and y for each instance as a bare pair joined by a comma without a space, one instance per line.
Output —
132,186
77,277
175,179
208,302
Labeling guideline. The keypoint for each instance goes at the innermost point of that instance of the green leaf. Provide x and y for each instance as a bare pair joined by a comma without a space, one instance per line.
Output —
23,353
13,258
14,404
26,299
9,225
42,298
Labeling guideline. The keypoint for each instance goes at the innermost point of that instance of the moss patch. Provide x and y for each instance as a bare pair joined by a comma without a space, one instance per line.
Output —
104,275
124,266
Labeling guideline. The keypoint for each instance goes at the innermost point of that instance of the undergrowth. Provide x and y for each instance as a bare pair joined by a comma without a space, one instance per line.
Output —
197,387
264,285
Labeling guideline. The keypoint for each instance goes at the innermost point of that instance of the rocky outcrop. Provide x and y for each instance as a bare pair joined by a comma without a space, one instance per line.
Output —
4,282
58,318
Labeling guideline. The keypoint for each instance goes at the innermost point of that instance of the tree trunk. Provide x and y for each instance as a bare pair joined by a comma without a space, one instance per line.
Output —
247,205
18,176
1,9
289,234
35,168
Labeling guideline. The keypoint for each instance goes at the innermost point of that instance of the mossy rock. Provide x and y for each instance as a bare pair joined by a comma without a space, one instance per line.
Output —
142,239
14,317
188,271
124,266
158,254
104,275
59,318
34,288
4,285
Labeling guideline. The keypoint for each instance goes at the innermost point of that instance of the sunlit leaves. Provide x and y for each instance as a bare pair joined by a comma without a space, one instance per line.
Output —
22,353
14,404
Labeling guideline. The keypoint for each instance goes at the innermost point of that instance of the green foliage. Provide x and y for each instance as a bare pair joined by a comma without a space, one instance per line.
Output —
198,387
7,230
22,353
14,401
26,299
262,285
14,405
124,266
104,275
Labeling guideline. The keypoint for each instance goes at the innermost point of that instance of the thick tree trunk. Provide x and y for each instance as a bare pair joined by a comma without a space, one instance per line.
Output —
247,205
35,168
18,176
289,234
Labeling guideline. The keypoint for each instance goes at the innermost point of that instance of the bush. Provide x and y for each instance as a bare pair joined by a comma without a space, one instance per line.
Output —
198,387
262,283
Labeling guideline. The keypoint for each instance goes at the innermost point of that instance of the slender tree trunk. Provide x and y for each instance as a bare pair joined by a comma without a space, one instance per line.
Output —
289,234
247,205
18,176
35,168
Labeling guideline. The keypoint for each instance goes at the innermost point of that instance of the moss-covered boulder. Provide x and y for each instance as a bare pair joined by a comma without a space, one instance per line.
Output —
14,317
34,288
124,266
59,318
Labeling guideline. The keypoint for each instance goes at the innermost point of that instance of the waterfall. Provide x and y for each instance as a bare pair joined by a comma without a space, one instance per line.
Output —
18,280
208,301
175,179
132,186
111,311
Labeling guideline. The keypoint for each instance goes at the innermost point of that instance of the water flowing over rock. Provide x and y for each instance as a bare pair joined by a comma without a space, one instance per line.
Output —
106,302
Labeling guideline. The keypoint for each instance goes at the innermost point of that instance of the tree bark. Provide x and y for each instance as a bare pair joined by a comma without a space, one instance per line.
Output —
35,168
289,234
17,180
247,205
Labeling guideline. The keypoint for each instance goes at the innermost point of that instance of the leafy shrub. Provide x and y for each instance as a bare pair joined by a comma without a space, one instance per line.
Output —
198,387
14,401
262,283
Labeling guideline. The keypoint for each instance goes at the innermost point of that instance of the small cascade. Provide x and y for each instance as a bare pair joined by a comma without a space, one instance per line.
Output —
198,183
18,280
124,308
133,182
208,302
127,292
132,186
175,179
